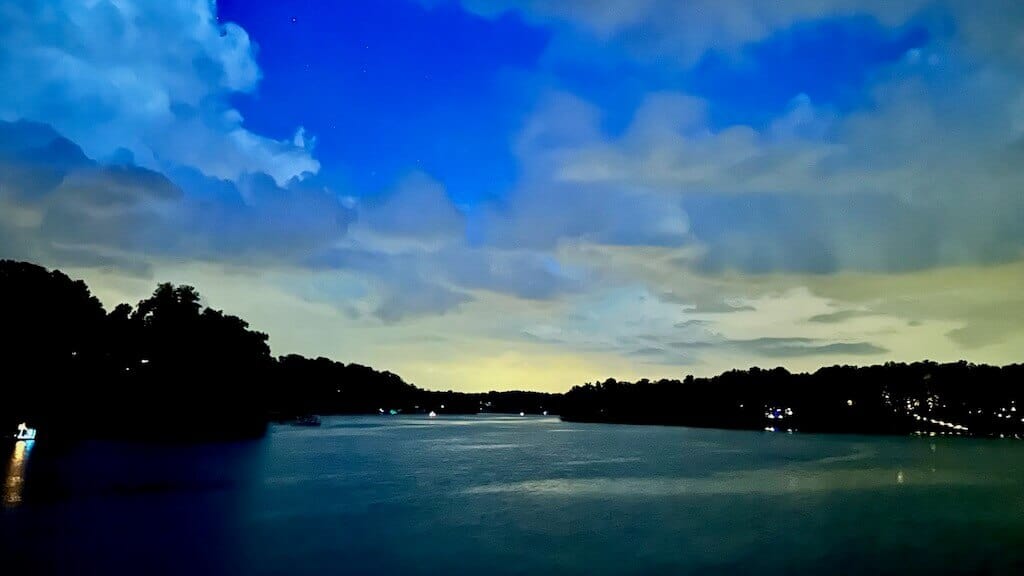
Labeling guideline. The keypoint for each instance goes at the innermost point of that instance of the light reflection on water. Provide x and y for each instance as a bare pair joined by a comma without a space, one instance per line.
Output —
14,481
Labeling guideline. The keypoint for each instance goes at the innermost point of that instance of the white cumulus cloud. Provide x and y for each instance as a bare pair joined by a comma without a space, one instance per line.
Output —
152,78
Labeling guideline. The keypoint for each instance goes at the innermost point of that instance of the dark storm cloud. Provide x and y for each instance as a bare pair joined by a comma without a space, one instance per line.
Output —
418,299
841,316
824,234
779,347
662,356
438,280
63,207
796,347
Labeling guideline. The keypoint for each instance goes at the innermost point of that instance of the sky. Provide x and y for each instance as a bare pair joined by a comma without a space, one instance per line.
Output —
522,194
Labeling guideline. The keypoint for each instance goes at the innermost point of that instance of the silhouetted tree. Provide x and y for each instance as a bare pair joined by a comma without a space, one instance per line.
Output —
51,333
172,368
190,370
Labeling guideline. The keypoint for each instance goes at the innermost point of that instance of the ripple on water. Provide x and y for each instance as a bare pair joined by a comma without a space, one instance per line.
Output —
754,482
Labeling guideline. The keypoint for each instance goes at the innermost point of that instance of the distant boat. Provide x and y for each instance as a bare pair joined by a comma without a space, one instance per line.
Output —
432,414
310,420
25,433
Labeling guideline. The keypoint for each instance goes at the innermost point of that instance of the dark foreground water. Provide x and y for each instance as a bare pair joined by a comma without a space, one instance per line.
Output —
495,495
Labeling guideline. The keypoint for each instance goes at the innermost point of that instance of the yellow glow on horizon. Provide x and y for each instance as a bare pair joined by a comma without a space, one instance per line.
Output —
517,370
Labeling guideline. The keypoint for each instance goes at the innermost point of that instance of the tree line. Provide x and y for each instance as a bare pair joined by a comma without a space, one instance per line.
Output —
170,367
927,398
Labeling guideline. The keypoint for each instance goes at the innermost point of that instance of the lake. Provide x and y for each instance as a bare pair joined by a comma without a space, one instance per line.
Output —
515,495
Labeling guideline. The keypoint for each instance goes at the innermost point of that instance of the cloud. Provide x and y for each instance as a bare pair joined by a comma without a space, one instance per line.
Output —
719,308
840,316
944,312
661,356
690,323
418,299
59,203
417,213
881,187
700,212
627,320
686,30
408,248
60,206
923,178
768,347
987,325
443,278
563,196
793,347
524,274
152,78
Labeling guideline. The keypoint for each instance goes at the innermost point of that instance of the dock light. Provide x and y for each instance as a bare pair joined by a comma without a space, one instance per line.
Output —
25,433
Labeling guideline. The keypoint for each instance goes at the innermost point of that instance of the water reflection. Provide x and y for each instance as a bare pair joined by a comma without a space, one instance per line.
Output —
97,507
14,479
329,500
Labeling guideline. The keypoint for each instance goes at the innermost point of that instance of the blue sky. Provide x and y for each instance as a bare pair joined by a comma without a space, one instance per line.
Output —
437,89
444,91
520,193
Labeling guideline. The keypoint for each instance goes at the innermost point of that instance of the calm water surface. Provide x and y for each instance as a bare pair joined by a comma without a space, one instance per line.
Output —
509,495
